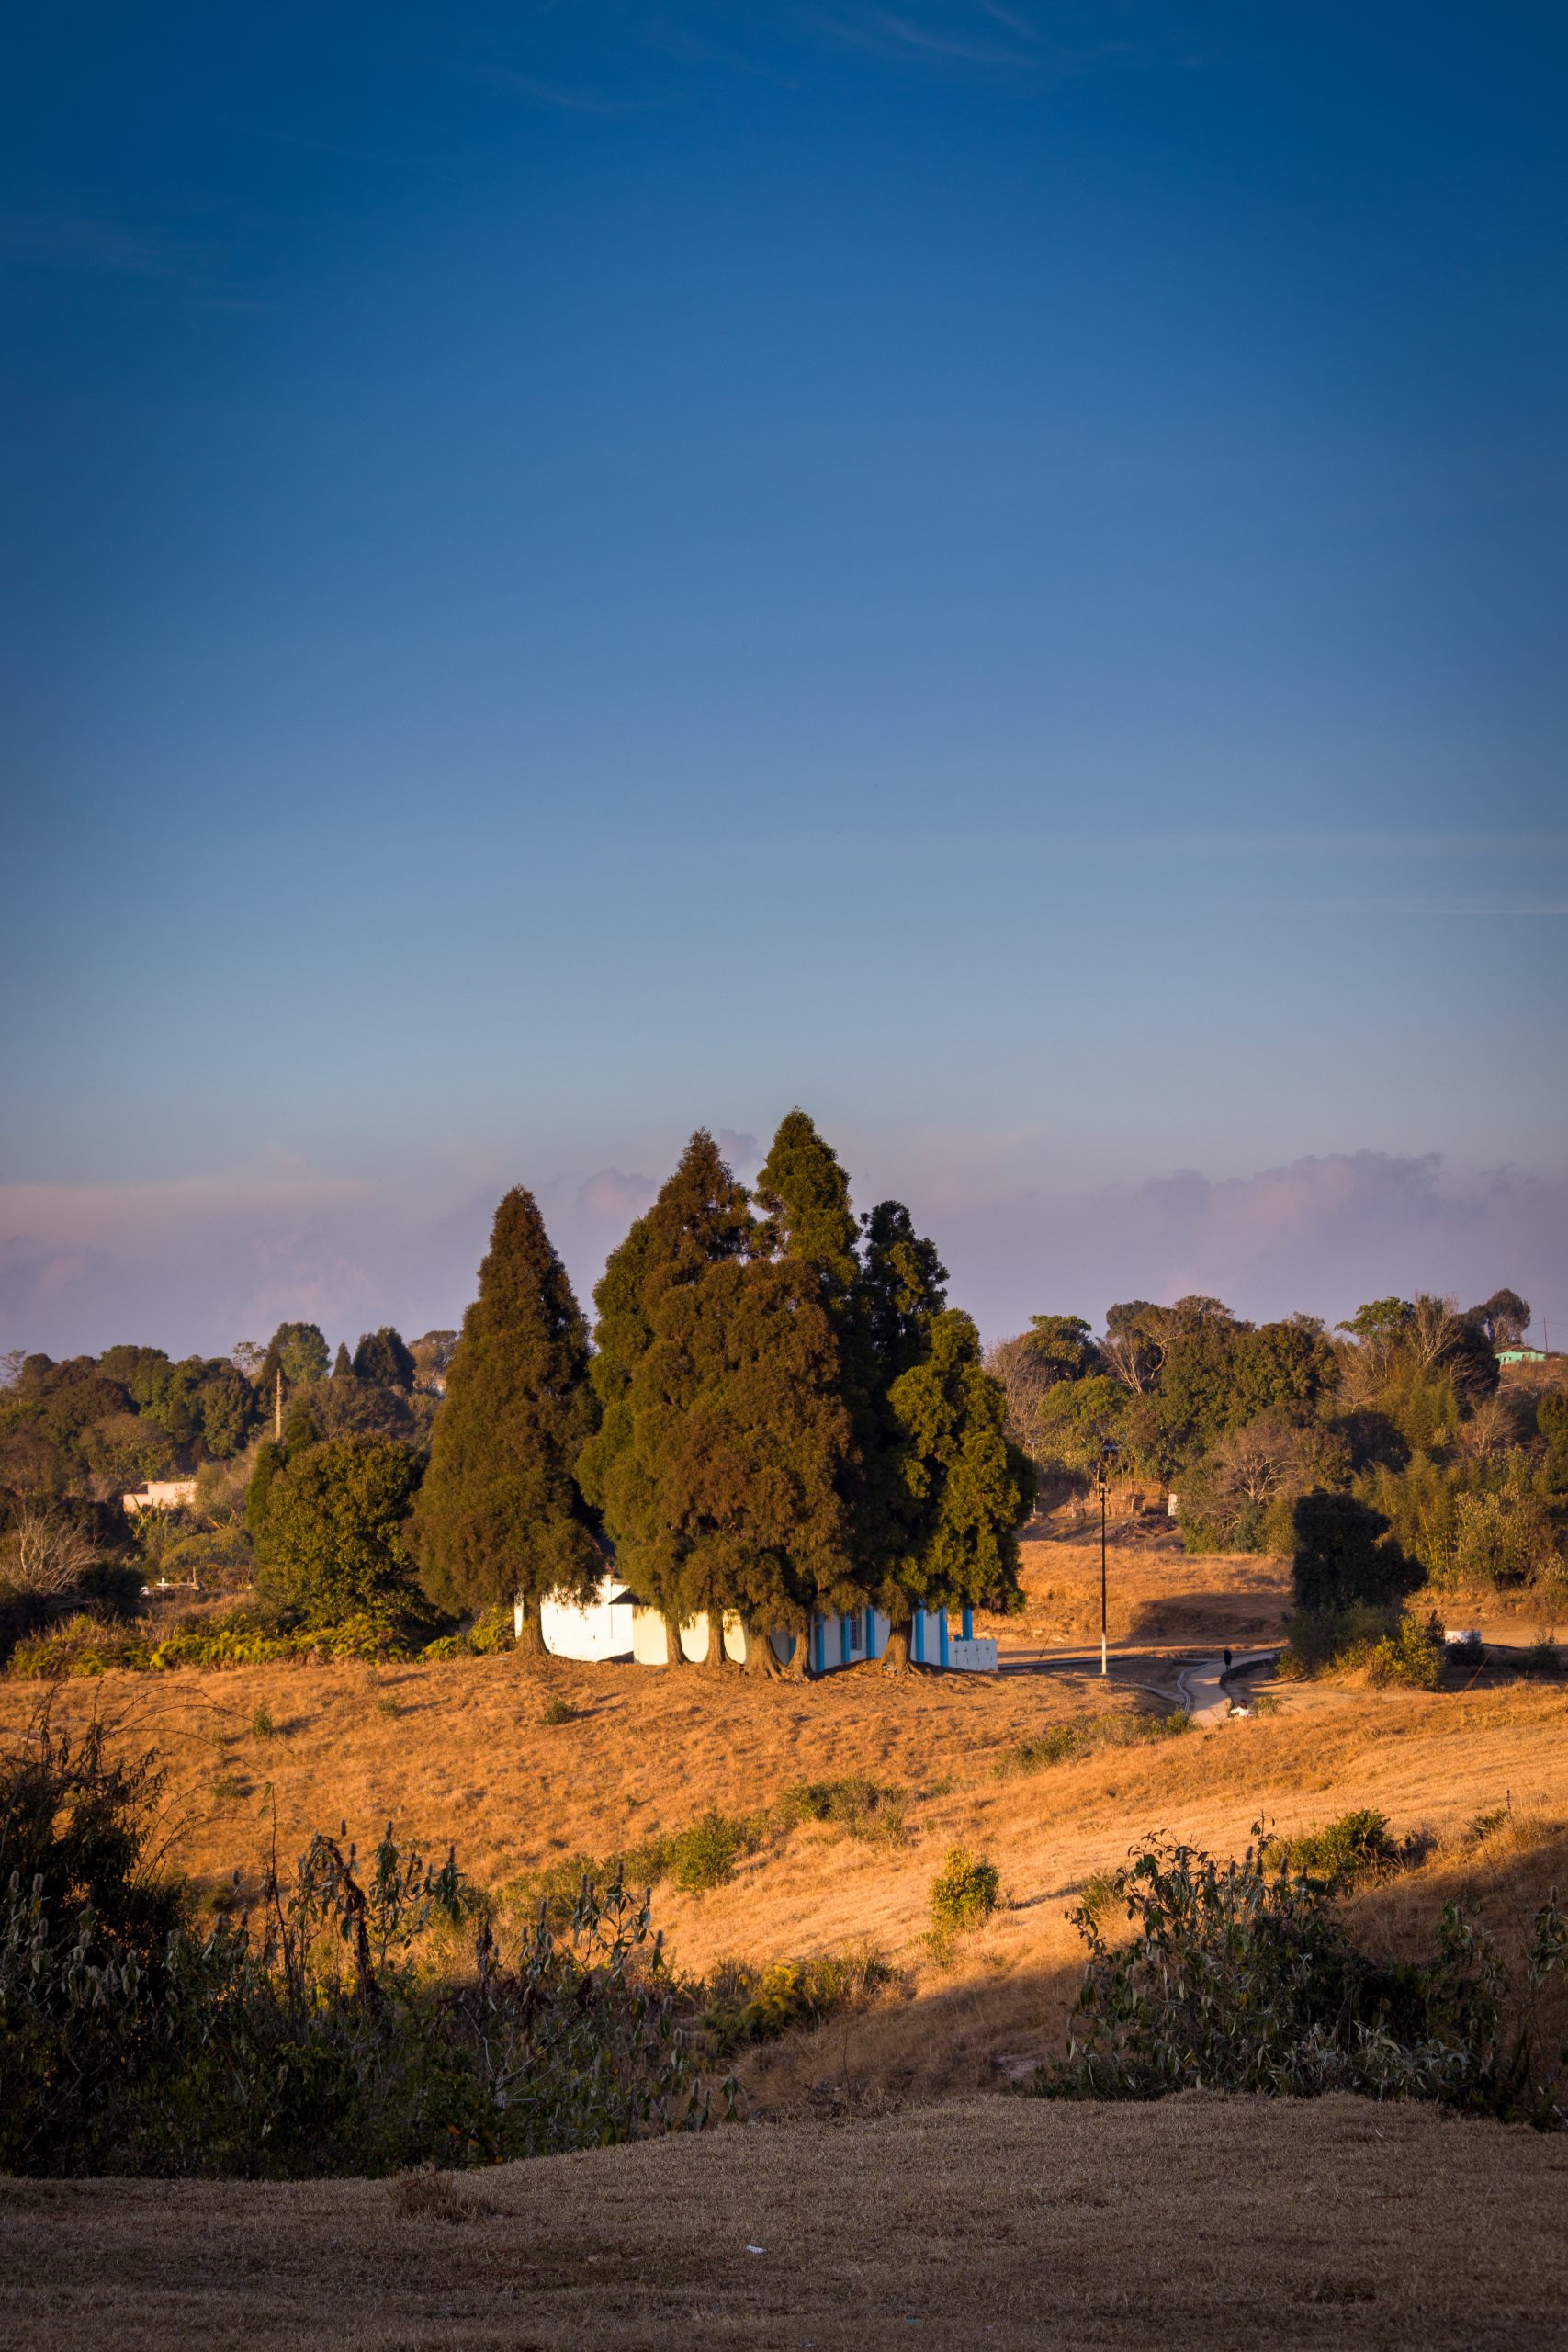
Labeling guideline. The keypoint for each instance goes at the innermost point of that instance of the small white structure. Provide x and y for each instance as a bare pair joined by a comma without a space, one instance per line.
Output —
616,1624
162,1494
604,1629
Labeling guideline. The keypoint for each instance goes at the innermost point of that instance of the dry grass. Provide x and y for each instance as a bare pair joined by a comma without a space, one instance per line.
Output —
1156,1594
1004,2223
461,1751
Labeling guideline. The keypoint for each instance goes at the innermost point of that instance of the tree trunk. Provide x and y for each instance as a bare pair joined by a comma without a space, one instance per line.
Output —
673,1641
895,1657
531,1641
759,1658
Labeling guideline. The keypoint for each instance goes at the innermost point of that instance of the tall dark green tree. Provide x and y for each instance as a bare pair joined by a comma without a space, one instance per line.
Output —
966,1490
342,1368
804,1194
382,1359
900,1291
701,1219
500,1515
743,1432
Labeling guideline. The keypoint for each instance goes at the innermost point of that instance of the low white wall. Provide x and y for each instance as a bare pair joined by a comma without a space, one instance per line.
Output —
976,1655
603,1630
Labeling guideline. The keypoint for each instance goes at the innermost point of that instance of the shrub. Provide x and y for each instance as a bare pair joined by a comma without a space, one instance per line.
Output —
1063,1742
1238,1976
964,1894
136,2041
743,2004
1393,1648
82,1645
1355,1847
863,1807
706,1855
1411,1658
262,1723
557,1711
490,1634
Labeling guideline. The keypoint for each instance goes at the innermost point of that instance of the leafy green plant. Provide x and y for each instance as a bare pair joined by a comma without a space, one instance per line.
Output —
1412,1658
262,1723
741,2004
964,1894
307,2038
557,1711
1355,1847
1239,1976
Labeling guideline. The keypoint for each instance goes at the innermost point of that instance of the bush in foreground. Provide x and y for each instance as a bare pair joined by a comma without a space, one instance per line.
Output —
311,2040
1238,1976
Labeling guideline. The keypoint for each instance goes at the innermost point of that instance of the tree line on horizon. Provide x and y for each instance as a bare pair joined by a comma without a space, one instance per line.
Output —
776,1412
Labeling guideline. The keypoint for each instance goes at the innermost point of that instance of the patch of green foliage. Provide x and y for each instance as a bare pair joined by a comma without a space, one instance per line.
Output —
84,1645
489,1636
740,2004
964,1894
1063,1743
709,1851
1396,1649
1239,1976
1344,1852
862,1807
312,2039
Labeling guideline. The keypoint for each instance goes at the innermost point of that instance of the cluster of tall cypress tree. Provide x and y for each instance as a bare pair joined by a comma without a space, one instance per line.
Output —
779,1414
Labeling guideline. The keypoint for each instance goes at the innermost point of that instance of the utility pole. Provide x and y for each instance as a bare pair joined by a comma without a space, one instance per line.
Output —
1102,1480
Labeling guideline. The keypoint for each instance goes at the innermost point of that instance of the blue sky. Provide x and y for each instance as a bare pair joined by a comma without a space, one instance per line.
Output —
995,570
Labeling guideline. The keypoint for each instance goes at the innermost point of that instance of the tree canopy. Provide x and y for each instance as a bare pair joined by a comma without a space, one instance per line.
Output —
500,1515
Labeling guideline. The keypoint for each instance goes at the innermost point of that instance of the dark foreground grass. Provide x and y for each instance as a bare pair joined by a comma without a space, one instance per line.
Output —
991,2224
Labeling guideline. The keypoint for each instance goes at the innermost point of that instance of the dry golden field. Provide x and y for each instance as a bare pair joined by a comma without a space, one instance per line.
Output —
459,1751
893,2201
981,2223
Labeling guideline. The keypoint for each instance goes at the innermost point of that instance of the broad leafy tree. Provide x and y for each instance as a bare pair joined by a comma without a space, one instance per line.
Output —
334,1530
500,1515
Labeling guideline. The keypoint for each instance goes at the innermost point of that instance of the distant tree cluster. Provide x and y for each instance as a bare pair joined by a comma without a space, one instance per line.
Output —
1285,1437
778,1414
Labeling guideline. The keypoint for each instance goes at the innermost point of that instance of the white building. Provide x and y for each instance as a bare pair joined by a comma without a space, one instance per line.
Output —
162,1494
615,1625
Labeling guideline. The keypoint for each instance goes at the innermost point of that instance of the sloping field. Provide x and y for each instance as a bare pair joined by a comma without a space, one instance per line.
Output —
988,2222
460,1752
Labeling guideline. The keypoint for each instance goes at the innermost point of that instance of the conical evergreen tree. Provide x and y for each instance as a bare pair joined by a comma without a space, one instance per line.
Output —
500,1515
741,1423
804,1195
700,1219
900,1291
382,1359
342,1368
965,1488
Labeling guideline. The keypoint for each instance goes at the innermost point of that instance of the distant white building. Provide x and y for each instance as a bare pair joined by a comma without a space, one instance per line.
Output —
162,1494
617,1625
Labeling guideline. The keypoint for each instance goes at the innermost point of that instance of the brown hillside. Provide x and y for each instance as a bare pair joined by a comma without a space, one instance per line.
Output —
459,1751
